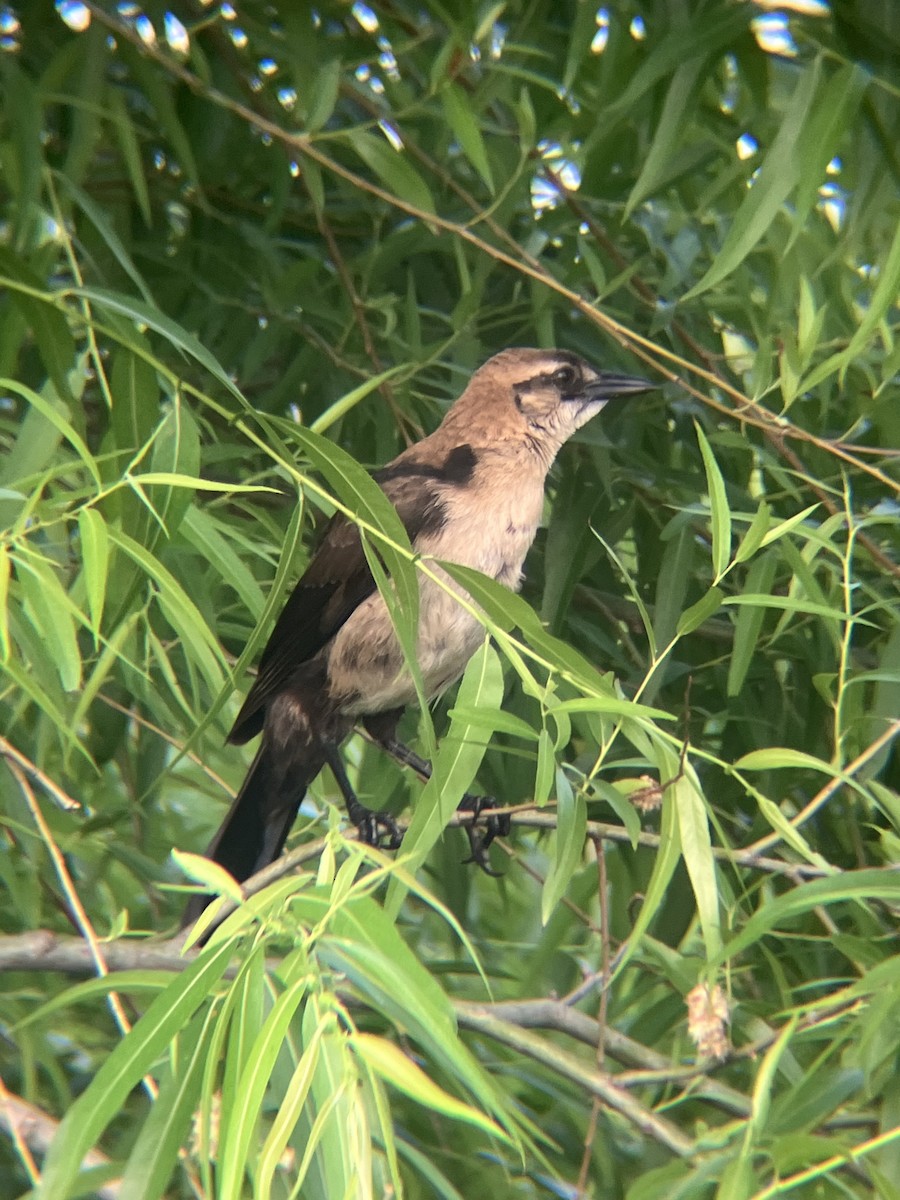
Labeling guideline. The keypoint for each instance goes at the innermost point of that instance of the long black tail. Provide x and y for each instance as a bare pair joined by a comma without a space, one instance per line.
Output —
259,820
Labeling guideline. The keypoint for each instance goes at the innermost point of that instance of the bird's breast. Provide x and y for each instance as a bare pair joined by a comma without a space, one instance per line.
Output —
490,528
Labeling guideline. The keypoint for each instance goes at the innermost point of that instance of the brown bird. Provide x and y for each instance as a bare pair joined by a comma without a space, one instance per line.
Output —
470,493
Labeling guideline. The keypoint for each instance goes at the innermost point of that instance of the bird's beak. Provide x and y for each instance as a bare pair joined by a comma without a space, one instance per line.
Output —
608,385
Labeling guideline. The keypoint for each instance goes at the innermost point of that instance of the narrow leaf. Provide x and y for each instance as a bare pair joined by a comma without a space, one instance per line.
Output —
753,538
777,177
461,120
102,1100
393,169
95,560
692,618
571,815
720,513
397,1069
696,847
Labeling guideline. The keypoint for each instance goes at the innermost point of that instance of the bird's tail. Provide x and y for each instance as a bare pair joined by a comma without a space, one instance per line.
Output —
259,820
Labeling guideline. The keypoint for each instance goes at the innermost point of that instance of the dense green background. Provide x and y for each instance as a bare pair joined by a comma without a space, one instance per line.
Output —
215,233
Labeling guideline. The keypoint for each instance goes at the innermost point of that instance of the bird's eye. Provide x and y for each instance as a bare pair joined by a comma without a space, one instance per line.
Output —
566,378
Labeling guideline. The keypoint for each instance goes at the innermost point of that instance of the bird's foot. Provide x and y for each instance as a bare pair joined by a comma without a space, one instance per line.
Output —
378,829
482,833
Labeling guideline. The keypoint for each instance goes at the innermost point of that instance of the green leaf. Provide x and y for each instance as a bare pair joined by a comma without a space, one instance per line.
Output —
664,864
194,483
696,848
526,121
765,1081
546,768
5,573
692,618
157,87
738,1180
504,609
672,581
347,403
790,605
676,110
112,657
129,147
616,796
455,765
251,1000
123,1069
783,527
367,947
208,873
324,93
393,169
458,111
51,613
100,220
708,33
720,513
749,622
238,1130
289,1113
753,538
571,828
367,502
401,1072
140,980
782,756
831,116
44,318
145,314
778,175
494,721
33,448
26,682
156,1151
95,559
200,642
836,889
883,297
208,538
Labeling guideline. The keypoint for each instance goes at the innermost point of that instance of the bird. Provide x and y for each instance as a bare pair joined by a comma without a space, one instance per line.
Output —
470,493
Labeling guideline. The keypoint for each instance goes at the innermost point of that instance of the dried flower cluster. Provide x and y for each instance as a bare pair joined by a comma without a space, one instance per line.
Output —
708,1019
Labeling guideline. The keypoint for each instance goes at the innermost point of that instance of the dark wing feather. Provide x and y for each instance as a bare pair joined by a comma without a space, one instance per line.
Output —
334,584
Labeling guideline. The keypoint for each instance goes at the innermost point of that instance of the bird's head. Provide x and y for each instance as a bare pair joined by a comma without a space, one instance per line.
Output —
541,396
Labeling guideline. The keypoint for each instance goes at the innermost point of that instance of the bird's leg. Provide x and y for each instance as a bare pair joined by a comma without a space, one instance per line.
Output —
382,727
375,828
495,825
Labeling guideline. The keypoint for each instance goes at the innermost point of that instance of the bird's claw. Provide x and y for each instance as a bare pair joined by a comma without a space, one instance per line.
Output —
495,825
377,829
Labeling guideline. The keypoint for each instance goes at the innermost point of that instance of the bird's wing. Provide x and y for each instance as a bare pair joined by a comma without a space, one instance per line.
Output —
334,584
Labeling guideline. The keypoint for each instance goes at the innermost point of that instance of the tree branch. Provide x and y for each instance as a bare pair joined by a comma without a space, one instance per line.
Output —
480,1018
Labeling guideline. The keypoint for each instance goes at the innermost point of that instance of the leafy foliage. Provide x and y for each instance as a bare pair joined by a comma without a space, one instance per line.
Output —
246,249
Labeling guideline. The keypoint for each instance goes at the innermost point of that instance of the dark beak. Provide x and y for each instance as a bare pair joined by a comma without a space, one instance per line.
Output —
609,385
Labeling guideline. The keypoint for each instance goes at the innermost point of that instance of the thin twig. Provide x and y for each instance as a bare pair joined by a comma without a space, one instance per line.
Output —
63,799
847,1158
